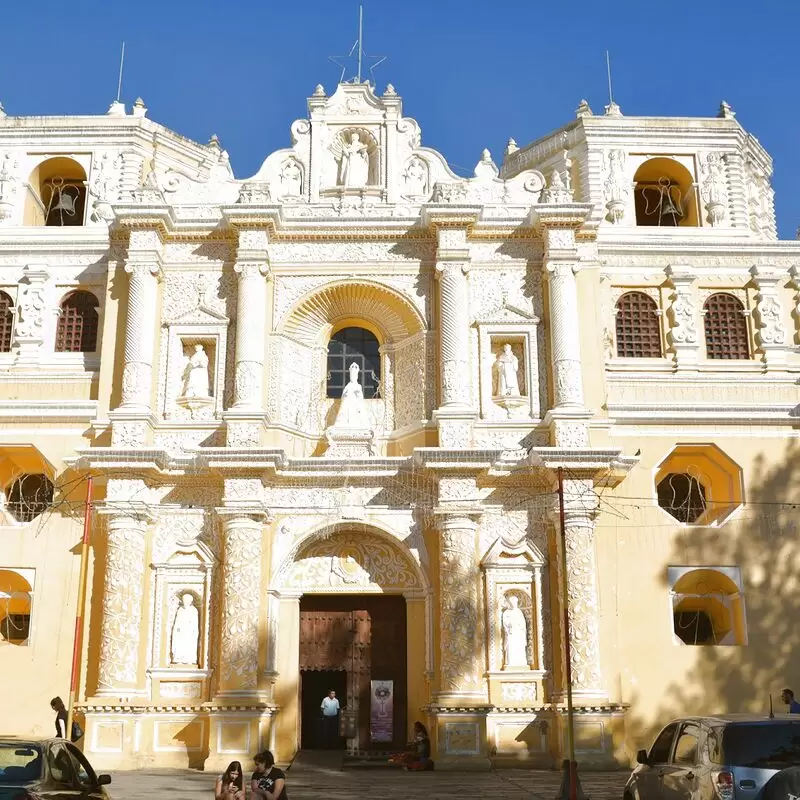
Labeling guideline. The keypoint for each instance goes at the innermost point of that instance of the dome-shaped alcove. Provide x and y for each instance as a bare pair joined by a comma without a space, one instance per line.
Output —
326,331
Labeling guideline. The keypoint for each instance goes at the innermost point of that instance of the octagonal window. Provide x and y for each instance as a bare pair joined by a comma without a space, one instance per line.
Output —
683,496
699,484
29,496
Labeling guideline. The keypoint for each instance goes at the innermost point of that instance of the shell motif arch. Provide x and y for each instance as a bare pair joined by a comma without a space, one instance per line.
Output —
352,560
317,315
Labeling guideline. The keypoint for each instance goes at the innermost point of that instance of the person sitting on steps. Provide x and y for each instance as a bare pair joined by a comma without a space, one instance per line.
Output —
230,785
417,753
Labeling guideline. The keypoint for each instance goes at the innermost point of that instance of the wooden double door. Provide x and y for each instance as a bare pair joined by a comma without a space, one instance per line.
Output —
347,641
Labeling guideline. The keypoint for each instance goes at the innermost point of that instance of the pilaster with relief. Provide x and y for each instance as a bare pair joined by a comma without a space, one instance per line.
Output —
682,316
558,226
770,327
122,607
243,518
580,506
32,310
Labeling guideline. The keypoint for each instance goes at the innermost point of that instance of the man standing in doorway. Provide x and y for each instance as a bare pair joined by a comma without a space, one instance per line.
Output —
330,719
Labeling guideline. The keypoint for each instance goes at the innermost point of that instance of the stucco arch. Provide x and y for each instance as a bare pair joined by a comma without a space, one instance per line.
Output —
351,557
392,317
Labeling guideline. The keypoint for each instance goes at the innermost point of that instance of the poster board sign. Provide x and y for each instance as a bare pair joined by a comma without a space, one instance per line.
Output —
381,718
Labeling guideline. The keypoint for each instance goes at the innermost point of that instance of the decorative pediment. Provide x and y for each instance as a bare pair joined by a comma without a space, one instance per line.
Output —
201,314
523,555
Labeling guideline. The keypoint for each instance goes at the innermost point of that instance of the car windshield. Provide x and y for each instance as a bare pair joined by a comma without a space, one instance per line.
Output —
19,763
772,746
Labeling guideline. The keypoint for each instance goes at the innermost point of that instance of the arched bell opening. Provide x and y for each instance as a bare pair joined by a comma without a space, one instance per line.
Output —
665,195
56,194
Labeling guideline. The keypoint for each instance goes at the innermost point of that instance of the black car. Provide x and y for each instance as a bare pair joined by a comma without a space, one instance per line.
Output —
48,769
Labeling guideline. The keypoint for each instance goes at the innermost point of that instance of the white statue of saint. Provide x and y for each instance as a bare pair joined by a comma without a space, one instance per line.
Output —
195,376
185,632
291,179
354,164
352,411
515,635
505,368
416,178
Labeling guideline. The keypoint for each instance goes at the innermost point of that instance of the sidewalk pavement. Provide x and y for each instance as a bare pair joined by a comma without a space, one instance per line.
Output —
314,779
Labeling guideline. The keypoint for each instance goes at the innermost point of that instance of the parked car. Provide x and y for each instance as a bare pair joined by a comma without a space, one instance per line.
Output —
48,769
726,757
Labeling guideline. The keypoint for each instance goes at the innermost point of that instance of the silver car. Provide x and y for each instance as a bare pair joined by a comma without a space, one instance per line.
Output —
726,757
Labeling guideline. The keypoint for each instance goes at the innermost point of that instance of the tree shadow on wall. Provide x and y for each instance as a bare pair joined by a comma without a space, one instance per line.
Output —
763,540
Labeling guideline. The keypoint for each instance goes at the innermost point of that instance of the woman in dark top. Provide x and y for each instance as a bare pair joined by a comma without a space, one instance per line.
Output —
417,754
268,782
57,704
230,785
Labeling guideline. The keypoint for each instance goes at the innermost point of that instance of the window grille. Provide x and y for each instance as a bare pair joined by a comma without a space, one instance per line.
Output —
726,327
29,497
64,200
15,628
6,322
638,327
354,345
77,325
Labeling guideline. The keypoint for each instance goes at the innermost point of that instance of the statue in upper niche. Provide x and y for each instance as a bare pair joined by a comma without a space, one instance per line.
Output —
291,179
195,375
185,632
353,158
506,368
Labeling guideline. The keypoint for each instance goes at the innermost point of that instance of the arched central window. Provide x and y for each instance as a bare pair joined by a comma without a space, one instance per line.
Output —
76,331
351,345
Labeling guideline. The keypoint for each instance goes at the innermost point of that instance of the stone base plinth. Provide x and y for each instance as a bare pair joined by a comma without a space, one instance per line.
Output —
349,442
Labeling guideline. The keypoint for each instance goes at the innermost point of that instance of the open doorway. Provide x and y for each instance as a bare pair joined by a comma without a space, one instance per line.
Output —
314,685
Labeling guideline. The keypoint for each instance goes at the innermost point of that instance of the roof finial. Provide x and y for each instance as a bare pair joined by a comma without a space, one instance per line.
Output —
2,111
139,108
583,109
725,111
511,147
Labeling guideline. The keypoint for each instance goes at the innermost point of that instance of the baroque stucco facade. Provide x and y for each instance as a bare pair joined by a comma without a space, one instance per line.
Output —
243,501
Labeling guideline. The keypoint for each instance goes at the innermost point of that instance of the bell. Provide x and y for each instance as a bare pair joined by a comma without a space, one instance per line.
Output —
670,213
66,203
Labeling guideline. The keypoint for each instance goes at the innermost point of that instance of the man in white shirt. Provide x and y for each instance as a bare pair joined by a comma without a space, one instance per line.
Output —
330,719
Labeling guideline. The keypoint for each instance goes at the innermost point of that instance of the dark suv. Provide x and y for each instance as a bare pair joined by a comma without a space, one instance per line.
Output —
726,757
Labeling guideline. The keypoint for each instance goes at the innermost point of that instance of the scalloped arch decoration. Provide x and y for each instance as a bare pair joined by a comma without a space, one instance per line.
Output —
315,315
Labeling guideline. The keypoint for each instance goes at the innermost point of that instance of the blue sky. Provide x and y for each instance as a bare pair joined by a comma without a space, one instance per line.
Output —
471,73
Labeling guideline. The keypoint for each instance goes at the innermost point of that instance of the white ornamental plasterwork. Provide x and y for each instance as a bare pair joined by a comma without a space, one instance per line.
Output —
515,252
128,434
31,307
241,588
713,188
519,692
704,292
455,435
583,608
123,591
461,634
242,435
9,182
409,382
352,252
290,288
347,560
105,183
178,442
285,498
771,330
511,527
463,491
185,292
127,489
244,490
570,435
207,253
507,296
652,292
183,530
616,187
683,318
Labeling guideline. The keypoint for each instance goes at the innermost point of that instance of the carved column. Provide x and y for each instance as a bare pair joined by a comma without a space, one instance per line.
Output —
770,326
123,593
144,269
32,310
455,413
583,608
461,618
568,416
242,520
682,316
737,191
251,312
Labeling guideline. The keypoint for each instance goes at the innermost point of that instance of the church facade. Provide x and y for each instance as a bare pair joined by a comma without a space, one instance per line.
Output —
342,417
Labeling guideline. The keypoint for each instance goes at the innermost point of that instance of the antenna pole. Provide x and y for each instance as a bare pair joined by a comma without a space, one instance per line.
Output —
121,65
360,37
608,71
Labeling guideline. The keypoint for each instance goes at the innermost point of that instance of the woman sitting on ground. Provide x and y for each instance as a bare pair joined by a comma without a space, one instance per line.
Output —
268,782
230,785
417,754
